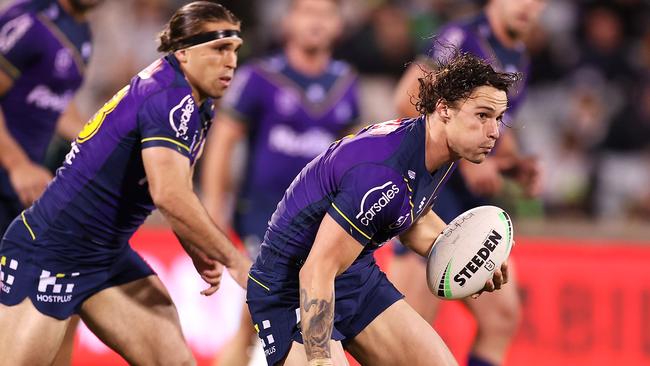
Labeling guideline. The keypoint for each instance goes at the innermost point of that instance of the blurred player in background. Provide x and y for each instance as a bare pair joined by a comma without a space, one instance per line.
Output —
289,107
315,282
45,46
496,35
69,252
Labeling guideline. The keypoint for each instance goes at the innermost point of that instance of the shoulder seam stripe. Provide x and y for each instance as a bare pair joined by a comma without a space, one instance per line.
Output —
351,223
165,139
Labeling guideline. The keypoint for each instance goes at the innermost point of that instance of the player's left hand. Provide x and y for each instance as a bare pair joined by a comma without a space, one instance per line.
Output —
212,276
527,172
499,278
210,270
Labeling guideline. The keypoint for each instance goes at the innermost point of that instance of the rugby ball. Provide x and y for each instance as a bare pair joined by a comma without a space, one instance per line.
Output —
468,251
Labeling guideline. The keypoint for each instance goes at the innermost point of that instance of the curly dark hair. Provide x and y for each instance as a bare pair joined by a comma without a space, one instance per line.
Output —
455,77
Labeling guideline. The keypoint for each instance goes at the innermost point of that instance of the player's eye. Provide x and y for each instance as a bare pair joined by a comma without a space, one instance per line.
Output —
482,115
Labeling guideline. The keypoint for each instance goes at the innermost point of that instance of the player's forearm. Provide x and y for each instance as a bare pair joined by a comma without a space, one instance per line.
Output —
190,222
11,154
421,236
317,314
216,177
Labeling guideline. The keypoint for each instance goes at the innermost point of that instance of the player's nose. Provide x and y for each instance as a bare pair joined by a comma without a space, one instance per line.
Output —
493,129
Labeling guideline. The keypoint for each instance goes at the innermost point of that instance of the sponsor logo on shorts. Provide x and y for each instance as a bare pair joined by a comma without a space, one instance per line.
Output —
52,291
7,267
267,339
186,107
366,215
480,258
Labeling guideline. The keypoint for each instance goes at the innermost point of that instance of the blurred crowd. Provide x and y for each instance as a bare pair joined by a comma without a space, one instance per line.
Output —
586,117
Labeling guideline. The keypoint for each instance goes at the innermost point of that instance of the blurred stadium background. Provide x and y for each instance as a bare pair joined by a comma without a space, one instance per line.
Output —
582,249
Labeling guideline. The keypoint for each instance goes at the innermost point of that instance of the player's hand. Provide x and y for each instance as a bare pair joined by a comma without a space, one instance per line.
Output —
210,271
29,181
529,176
499,278
482,179
212,276
239,271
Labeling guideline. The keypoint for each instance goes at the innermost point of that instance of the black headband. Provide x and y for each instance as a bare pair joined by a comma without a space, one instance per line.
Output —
208,37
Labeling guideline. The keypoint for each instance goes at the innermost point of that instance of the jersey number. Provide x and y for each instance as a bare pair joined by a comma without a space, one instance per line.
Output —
92,126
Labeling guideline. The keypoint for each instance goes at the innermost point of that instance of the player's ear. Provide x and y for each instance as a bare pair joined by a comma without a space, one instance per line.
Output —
181,55
443,110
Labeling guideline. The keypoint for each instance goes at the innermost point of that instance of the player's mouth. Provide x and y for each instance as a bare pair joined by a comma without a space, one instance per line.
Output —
487,148
225,80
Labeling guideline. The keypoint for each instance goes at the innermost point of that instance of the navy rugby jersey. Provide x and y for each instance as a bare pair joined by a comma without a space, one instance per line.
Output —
374,184
45,51
101,192
292,118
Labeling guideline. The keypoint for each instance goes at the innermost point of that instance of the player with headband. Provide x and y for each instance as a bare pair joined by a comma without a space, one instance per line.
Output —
69,252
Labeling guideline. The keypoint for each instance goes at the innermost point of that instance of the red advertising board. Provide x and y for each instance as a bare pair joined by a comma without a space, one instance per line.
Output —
585,303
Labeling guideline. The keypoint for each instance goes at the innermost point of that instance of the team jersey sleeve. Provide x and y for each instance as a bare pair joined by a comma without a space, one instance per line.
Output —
242,99
370,198
170,119
19,44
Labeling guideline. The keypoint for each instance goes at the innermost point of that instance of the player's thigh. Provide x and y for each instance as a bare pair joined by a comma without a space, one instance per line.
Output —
28,337
298,357
499,310
408,274
399,336
139,321
64,355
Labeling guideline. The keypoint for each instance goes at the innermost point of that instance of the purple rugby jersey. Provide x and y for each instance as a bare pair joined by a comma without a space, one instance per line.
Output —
291,119
100,194
45,51
374,184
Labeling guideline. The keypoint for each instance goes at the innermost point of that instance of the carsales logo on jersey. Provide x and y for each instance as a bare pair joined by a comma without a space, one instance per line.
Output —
186,107
383,196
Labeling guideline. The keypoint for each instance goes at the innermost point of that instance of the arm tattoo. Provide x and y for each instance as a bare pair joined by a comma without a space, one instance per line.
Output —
317,323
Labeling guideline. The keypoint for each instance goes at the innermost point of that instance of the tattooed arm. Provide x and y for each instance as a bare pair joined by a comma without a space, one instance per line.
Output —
333,252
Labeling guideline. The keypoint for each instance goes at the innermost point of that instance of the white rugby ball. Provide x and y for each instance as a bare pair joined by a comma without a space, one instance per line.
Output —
468,251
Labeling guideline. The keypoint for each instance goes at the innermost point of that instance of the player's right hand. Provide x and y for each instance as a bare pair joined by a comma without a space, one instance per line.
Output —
29,181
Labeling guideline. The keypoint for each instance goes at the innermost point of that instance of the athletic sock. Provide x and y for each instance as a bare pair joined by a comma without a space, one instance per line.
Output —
478,361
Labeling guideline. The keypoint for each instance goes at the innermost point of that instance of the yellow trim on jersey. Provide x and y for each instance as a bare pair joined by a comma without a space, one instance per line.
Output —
60,275
443,178
259,283
348,220
12,70
22,215
257,328
165,139
3,261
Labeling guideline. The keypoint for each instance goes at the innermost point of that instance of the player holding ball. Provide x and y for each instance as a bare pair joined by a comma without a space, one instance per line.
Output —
315,285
